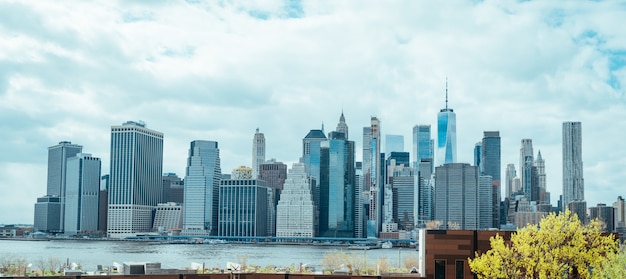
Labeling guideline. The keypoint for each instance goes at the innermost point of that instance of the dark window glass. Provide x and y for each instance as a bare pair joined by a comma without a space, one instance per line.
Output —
440,269
460,269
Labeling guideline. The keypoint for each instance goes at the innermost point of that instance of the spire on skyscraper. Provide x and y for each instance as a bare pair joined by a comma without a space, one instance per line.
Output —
446,93
342,127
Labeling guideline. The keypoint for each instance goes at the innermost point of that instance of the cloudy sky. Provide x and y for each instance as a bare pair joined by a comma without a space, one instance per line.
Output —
217,70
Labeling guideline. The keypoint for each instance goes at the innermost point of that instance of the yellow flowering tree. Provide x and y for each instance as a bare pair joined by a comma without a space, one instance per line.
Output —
560,247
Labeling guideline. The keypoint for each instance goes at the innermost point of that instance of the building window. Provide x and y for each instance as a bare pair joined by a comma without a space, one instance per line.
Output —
440,269
460,269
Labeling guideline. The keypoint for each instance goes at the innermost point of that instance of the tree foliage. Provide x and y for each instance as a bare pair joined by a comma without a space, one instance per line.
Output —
560,247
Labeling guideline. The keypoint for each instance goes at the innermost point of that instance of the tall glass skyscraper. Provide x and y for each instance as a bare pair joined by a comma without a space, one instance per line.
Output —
573,181
446,134
491,166
82,195
422,144
258,152
374,180
311,158
136,181
57,171
456,196
337,187
243,207
528,172
202,181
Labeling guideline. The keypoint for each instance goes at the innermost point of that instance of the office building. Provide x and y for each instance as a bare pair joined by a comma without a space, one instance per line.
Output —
511,173
620,212
573,181
337,187
446,134
456,196
528,171
394,143
373,178
82,194
168,217
48,214
241,173
258,152
202,181
57,165
295,209
311,158
173,188
243,207
540,164
605,215
136,179
423,146
425,195
579,208
491,166
360,198
342,127
274,174
485,203
402,182
104,204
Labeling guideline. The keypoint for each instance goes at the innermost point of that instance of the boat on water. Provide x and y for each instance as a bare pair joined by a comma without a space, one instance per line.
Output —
386,245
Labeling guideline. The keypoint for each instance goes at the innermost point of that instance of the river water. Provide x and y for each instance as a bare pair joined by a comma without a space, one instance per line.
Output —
91,253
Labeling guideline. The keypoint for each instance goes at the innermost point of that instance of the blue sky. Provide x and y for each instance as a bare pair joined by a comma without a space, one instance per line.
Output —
217,70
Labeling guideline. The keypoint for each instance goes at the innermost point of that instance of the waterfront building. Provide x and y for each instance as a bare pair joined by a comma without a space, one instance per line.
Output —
360,204
394,143
373,176
604,214
402,182
274,174
491,166
241,173
258,152
243,207
423,146
168,217
295,209
56,181
620,212
82,194
104,204
311,150
573,181
446,134
337,186
136,179
456,196
201,195
173,188
48,214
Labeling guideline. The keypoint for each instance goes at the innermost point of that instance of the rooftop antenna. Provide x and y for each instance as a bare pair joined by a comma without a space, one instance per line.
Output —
446,92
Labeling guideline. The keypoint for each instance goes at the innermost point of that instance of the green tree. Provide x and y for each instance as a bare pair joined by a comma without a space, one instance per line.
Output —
560,247
614,267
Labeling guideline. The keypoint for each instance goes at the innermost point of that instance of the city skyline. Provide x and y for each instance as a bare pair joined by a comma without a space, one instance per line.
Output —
197,71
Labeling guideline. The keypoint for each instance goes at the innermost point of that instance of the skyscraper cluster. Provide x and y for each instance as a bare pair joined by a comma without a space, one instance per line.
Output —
327,193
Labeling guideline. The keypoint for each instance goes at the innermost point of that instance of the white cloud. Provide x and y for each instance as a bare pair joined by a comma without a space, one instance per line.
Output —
216,71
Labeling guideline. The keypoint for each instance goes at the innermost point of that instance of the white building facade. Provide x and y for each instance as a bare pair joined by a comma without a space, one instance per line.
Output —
295,210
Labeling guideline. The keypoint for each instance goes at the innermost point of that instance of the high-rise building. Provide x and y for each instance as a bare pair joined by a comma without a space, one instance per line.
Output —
201,196
136,179
360,216
104,204
295,210
258,152
446,134
485,203
605,214
402,182
168,217
274,174
491,166
57,166
620,212
243,207
48,214
510,175
311,156
528,171
173,188
540,164
82,194
374,180
337,187
394,143
242,173
342,127
478,154
424,199
578,207
456,196
573,181
423,146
